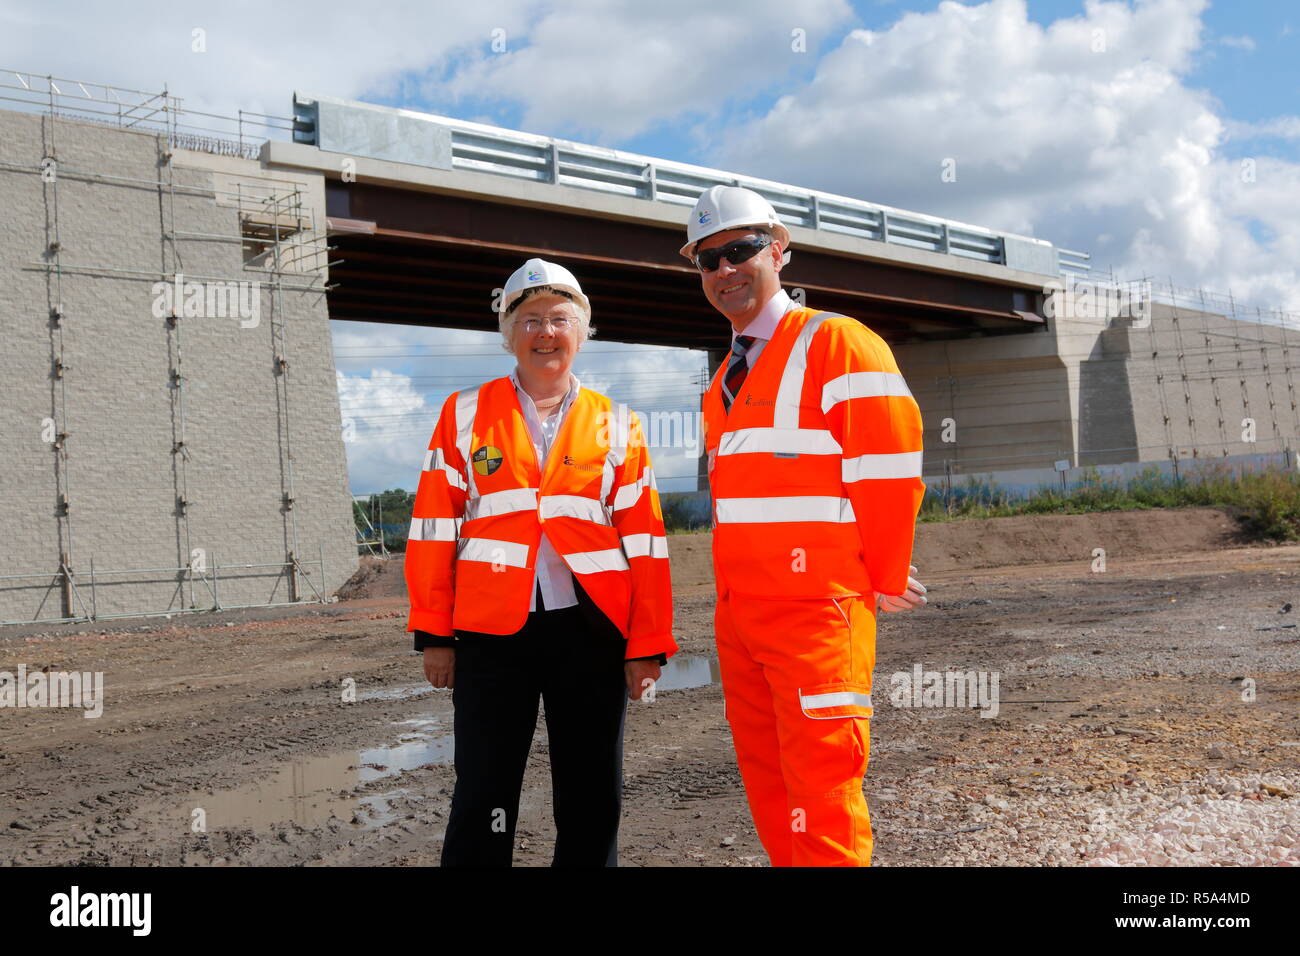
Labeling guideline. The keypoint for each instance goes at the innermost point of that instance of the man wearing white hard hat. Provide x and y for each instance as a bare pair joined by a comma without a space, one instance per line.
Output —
537,569
814,445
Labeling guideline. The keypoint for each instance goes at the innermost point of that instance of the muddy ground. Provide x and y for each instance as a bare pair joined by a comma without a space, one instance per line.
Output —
1115,683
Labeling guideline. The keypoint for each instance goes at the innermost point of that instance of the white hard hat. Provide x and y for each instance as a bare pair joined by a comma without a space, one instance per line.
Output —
538,272
720,208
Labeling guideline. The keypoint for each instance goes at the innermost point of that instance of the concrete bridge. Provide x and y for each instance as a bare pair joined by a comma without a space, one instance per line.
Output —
424,206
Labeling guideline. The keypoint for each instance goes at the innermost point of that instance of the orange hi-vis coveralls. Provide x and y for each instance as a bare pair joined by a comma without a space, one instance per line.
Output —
482,507
815,473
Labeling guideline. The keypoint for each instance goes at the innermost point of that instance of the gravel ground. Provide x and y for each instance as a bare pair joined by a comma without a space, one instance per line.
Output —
1148,715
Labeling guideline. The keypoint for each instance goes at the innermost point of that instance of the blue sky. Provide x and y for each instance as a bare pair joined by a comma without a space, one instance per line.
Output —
1248,64
1160,135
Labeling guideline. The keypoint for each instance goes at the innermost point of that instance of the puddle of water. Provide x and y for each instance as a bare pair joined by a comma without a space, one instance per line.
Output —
685,672
401,692
414,748
377,810
311,790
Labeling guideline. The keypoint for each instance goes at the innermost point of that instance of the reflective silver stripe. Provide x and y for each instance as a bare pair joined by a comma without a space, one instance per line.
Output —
488,550
573,506
798,508
433,529
645,545
466,408
435,460
617,428
501,503
903,464
789,441
590,562
844,698
862,385
629,495
786,412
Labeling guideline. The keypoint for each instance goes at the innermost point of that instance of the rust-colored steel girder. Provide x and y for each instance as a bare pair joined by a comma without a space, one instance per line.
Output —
434,259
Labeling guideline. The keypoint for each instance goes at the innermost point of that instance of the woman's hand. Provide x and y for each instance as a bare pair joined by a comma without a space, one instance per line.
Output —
638,673
440,666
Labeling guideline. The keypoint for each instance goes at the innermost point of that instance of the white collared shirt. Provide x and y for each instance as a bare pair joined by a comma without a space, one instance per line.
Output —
763,326
552,575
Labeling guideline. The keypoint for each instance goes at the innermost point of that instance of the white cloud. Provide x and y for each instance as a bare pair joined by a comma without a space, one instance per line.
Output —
392,380
1083,132
610,69
1281,127
256,54
378,413
1238,43
613,70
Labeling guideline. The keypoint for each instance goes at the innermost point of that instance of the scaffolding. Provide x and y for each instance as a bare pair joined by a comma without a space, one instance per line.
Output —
371,540
239,135
282,245
208,575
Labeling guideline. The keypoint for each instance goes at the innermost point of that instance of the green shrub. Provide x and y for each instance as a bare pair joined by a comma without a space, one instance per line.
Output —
1266,504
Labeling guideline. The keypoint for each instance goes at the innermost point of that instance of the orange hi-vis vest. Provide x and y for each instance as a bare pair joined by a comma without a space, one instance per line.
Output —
816,469
482,507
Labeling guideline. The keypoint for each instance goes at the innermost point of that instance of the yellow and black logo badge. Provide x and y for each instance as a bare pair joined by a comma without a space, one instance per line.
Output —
486,460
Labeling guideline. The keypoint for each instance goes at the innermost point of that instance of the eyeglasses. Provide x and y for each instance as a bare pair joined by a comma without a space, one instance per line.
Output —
560,324
707,260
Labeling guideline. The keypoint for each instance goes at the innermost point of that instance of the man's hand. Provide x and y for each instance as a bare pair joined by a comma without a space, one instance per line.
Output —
913,597
637,673
440,666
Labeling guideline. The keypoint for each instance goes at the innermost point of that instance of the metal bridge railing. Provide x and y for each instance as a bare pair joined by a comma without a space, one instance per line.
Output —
476,147
543,160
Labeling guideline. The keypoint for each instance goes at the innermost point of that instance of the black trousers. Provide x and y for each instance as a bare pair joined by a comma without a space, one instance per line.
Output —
575,667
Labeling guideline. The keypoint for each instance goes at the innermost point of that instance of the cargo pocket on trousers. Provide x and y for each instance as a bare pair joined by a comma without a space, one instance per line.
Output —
836,699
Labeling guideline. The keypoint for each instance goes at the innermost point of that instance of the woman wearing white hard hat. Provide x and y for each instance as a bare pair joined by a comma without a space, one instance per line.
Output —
537,569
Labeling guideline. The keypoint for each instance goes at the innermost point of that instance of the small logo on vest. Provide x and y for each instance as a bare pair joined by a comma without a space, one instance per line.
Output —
486,460
568,460
751,400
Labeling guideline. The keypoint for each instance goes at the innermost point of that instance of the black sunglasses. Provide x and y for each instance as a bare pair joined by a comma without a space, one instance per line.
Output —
736,252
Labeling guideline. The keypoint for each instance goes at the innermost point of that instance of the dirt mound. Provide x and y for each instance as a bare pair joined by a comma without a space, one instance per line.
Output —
375,578
1023,539
1049,539
946,545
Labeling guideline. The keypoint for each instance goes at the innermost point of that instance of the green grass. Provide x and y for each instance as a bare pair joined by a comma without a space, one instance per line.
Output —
1266,504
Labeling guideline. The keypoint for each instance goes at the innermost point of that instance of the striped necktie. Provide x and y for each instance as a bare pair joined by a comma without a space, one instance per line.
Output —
737,369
